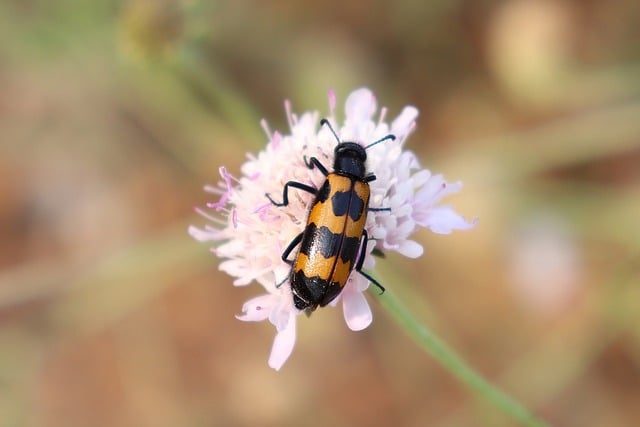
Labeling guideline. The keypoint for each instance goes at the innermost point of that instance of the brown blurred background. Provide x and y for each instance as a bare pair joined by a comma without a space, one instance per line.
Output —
113,115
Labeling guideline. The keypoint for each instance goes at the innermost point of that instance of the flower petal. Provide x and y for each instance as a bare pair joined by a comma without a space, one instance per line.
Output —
283,344
199,234
443,220
410,249
356,310
404,122
258,309
360,106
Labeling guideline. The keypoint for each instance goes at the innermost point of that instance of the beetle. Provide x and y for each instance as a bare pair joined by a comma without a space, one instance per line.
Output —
334,241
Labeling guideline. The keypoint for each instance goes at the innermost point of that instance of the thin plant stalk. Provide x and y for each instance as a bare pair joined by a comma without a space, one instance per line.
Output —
447,357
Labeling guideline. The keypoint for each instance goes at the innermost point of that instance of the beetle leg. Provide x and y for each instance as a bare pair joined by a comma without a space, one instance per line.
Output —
285,192
314,162
285,255
363,253
374,281
281,282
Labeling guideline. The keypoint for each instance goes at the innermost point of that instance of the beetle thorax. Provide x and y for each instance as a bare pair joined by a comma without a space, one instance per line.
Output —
350,158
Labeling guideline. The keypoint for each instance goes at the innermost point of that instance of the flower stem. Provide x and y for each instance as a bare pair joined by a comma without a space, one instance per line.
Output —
454,363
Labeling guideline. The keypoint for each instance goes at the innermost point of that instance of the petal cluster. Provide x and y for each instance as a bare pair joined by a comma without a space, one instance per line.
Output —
249,233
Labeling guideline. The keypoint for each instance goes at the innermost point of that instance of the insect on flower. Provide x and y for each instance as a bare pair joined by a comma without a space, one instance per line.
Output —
330,242
254,237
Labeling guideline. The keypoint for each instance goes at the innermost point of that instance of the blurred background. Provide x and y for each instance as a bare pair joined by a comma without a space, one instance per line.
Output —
114,114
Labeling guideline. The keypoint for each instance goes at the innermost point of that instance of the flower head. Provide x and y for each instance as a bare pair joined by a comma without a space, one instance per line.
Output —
251,233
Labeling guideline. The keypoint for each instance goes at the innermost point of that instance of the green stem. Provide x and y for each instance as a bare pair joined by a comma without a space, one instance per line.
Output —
454,363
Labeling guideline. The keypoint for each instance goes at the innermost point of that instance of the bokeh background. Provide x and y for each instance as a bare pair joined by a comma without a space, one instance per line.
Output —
113,115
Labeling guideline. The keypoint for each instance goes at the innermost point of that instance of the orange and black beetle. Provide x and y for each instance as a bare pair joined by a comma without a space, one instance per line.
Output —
331,241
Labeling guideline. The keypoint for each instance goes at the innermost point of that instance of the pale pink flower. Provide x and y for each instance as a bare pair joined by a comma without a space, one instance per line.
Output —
250,233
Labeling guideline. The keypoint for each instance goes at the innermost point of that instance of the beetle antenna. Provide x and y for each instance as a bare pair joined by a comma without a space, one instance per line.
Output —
390,136
326,122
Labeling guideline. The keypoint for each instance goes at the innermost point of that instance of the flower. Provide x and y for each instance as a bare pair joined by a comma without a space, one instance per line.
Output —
251,233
